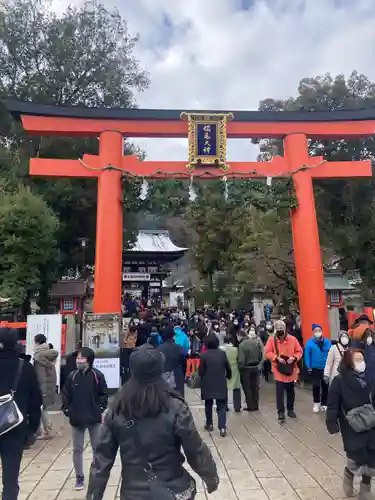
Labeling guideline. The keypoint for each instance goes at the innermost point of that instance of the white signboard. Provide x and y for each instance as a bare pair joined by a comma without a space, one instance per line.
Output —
136,277
110,367
50,326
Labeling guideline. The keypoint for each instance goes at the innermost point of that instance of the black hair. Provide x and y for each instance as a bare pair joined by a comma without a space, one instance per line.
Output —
211,341
40,339
50,345
228,339
136,400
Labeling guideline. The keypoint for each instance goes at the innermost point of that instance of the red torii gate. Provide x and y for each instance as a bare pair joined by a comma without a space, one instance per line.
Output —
112,125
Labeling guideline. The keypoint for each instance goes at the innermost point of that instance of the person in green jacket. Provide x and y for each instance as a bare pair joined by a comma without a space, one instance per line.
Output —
234,384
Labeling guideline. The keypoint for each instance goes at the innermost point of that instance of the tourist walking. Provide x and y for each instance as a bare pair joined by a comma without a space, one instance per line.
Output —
45,367
149,424
17,375
174,362
250,359
214,370
234,384
284,351
370,361
316,354
350,393
84,399
334,357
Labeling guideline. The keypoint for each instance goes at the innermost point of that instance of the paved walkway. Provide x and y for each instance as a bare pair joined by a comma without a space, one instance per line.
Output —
259,460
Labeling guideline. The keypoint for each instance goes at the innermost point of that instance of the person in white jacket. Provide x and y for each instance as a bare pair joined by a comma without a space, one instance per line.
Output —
334,356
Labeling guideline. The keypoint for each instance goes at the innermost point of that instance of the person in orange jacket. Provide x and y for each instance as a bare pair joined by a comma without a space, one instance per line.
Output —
284,351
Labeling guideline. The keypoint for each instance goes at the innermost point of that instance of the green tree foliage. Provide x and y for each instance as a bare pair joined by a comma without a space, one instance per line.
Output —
28,231
347,206
82,57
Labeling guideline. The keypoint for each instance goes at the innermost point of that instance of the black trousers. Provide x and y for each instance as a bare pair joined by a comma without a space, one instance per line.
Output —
11,450
250,385
319,387
266,369
221,409
281,388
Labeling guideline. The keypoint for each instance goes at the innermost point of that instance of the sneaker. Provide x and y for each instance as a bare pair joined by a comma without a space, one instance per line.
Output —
347,484
80,483
323,408
281,417
365,492
223,433
316,407
292,414
209,428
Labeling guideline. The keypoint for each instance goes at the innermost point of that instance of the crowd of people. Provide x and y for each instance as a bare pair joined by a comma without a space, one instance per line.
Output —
149,422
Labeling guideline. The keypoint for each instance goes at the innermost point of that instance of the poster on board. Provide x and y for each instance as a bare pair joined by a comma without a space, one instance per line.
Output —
101,332
49,325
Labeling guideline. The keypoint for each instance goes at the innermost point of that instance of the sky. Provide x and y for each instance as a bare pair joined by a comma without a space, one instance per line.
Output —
230,54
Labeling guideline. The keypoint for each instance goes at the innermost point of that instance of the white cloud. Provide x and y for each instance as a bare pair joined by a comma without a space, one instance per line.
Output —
212,55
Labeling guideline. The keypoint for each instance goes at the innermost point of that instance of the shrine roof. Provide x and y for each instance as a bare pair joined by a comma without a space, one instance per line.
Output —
155,241
18,108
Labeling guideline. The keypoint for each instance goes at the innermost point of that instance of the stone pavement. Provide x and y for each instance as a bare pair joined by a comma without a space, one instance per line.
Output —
259,460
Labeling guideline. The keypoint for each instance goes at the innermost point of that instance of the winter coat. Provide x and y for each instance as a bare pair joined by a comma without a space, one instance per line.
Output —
288,347
84,397
232,355
164,438
214,370
333,361
250,353
45,367
370,366
28,396
345,393
174,361
316,353
182,340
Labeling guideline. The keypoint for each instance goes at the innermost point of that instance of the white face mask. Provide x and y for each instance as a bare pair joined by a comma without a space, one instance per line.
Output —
360,366
235,323
369,340
318,334
344,340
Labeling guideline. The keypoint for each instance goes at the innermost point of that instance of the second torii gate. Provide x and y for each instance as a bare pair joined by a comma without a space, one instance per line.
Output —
112,125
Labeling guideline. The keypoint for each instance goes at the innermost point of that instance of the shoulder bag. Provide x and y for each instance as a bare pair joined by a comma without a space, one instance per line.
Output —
158,491
10,414
284,369
362,418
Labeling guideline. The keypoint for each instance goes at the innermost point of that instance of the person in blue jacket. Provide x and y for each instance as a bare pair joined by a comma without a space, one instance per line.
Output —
316,353
181,339
155,339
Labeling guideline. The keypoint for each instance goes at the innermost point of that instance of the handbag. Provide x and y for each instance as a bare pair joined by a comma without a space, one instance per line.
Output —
284,369
158,490
10,414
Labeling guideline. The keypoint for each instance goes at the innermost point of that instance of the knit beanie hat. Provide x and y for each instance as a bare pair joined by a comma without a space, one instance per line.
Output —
146,364
316,325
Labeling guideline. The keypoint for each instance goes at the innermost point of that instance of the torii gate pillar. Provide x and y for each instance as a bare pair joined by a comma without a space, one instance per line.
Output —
307,252
109,225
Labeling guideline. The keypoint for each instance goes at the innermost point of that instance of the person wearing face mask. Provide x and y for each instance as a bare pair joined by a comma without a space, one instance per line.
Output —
84,400
284,351
234,331
334,357
316,354
350,391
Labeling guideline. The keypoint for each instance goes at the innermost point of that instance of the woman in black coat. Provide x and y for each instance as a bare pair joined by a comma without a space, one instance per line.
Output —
214,370
350,390
174,359
150,425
